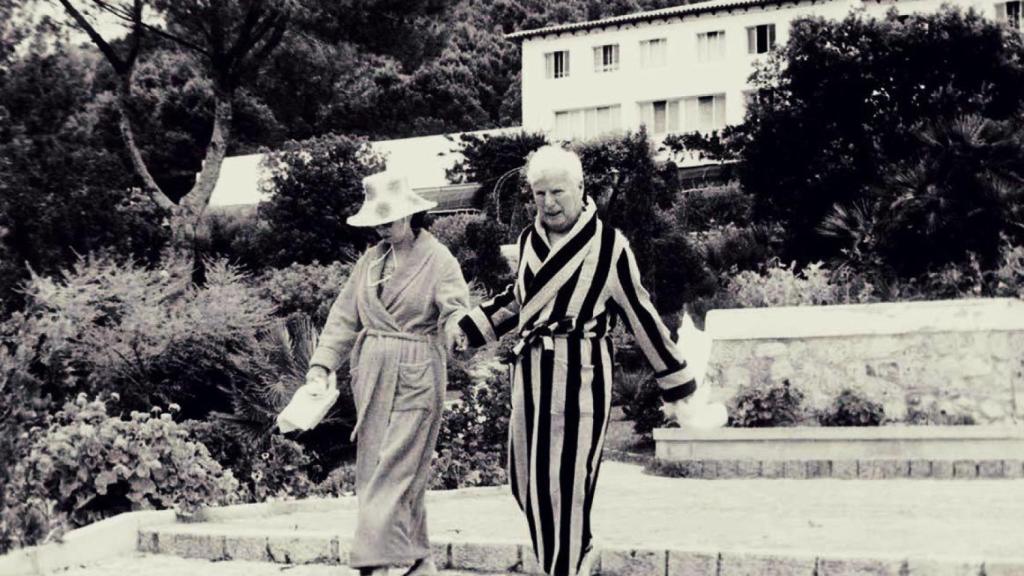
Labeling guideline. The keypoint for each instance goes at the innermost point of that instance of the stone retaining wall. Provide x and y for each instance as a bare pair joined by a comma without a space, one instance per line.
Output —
955,360
840,469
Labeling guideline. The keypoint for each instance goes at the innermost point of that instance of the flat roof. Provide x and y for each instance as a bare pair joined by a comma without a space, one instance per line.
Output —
653,15
424,159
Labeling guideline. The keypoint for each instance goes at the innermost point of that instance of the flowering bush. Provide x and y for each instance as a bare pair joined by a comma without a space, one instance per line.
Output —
277,468
766,406
852,409
88,466
472,441
307,288
340,482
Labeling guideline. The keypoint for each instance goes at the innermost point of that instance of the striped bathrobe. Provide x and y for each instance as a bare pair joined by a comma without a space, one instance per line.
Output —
562,307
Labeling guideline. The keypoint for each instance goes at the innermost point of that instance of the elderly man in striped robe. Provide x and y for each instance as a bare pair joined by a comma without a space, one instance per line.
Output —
575,276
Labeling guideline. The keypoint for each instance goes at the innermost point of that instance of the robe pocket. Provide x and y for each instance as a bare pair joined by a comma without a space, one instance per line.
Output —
415,390
583,396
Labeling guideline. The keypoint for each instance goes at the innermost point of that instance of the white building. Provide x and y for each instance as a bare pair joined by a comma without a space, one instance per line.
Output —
425,160
679,69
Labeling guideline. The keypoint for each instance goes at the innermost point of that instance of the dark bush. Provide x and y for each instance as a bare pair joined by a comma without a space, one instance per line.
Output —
767,406
315,185
850,408
704,210
308,289
641,400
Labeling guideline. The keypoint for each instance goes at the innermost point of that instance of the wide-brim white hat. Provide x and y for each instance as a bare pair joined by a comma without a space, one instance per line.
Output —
387,197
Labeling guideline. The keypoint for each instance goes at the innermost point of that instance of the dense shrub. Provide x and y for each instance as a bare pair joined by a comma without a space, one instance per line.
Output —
471,446
852,409
451,231
641,399
340,482
149,335
277,468
315,185
704,210
811,141
270,372
767,406
24,410
475,241
782,285
730,249
308,289
88,466
492,161
236,234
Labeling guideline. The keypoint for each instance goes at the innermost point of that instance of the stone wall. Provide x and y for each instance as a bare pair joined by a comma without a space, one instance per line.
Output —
955,360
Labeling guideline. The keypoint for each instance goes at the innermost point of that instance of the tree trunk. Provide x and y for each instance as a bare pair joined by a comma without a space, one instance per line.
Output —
124,89
197,198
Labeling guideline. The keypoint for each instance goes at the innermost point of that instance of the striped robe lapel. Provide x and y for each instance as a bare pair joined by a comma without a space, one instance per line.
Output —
557,267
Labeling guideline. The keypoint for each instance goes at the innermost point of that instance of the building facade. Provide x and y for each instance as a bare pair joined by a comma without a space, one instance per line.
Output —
678,69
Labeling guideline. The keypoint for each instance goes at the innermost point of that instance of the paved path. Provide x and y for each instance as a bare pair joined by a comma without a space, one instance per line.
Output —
969,518
154,565
926,519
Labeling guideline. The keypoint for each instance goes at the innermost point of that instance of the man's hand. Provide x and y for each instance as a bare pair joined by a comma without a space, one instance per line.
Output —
696,412
317,379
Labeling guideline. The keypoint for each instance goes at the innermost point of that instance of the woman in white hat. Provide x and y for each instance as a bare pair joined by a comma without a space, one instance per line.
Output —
395,319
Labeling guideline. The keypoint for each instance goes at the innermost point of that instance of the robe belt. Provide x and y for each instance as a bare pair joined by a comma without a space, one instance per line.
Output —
545,335
428,338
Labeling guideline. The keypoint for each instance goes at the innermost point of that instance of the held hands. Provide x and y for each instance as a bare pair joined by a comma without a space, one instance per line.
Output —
458,343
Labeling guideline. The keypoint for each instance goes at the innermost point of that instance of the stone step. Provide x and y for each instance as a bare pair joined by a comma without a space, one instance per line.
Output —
233,544
165,565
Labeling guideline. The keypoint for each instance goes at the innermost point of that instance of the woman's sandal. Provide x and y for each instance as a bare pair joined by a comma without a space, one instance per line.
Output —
422,567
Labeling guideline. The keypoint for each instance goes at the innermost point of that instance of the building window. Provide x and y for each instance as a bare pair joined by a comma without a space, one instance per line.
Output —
653,53
711,46
760,39
587,122
556,64
704,113
606,58
1009,12
660,116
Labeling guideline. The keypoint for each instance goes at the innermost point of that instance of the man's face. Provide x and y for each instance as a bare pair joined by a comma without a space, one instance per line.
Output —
559,200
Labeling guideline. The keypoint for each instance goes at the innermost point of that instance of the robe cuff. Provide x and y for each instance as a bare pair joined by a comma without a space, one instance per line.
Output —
677,384
325,357
477,327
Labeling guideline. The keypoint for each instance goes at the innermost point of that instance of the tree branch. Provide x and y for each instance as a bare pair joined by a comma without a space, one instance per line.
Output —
120,66
136,31
243,44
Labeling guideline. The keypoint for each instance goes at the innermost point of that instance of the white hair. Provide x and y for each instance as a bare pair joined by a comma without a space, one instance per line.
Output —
549,160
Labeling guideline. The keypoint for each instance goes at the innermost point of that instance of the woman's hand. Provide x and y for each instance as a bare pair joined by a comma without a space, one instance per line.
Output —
317,379
458,343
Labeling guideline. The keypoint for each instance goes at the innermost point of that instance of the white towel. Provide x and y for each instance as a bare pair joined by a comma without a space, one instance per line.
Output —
307,408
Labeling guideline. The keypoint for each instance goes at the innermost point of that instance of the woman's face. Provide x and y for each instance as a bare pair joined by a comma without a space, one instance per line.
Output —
395,232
